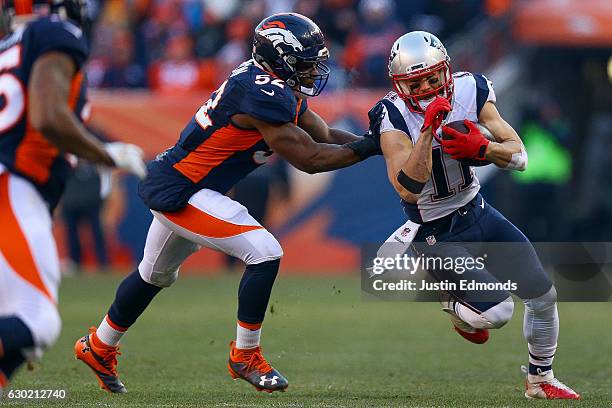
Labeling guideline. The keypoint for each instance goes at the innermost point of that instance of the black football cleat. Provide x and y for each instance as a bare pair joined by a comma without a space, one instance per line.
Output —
251,366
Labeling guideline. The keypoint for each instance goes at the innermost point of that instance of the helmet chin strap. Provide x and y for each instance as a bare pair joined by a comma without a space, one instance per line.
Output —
424,103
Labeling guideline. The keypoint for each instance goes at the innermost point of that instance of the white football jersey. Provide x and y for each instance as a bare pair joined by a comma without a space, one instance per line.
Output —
452,184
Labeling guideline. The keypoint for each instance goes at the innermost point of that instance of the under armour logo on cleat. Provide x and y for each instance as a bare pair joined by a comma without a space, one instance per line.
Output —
264,379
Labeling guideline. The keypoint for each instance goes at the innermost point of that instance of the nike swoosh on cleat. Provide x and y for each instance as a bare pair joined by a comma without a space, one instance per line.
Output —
270,93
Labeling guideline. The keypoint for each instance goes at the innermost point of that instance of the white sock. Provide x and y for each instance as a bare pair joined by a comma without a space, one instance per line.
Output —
247,338
108,333
541,328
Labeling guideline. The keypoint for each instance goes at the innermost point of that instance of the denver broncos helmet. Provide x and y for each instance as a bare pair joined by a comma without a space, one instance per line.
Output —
75,10
292,47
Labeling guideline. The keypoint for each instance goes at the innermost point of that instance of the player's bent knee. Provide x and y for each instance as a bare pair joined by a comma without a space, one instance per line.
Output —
500,314
546,301
156,276
266,248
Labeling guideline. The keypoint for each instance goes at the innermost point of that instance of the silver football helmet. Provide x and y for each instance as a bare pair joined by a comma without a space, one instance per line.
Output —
414,56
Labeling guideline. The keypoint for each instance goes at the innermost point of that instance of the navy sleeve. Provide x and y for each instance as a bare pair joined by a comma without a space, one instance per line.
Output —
61,36
482,92
269,103
395,117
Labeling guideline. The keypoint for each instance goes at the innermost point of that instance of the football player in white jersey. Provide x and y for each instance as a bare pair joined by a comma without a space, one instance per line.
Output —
440,194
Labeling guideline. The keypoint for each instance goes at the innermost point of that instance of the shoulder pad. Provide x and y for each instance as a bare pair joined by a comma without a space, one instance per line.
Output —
391,96
460,74
57,35
268,98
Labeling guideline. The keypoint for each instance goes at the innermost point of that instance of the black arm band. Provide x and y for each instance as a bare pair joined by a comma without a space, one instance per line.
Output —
410,184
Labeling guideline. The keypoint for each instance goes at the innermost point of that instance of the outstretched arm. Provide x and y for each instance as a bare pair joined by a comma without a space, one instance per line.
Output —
299,149
316,127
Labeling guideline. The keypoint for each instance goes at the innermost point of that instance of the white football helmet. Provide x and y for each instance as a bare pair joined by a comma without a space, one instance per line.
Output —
415,55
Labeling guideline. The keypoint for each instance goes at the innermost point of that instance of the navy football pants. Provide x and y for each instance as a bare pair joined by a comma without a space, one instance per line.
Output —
479,230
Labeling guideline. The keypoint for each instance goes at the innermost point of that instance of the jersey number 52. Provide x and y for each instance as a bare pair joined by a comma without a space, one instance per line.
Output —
202,116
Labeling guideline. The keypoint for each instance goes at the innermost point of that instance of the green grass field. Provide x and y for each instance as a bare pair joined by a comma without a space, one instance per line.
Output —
335,348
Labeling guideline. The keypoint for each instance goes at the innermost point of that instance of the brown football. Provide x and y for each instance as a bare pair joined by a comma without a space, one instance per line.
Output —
459,126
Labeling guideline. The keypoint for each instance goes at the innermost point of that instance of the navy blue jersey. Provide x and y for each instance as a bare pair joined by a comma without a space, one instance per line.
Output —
23,150
212,152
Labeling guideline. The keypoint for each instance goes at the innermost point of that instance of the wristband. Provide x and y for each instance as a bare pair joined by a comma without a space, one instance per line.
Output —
518,161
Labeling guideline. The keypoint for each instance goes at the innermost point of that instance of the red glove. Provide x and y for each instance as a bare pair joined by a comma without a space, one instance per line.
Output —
435,113
471,145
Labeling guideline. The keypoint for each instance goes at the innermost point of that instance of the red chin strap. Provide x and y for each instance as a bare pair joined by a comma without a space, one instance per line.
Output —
413,101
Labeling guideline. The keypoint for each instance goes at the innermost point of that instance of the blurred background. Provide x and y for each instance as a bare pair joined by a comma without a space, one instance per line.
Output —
155,62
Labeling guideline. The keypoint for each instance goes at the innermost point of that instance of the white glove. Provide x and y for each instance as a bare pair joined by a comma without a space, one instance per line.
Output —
127,157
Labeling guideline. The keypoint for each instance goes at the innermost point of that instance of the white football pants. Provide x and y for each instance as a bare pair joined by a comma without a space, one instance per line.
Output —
210,220
29,265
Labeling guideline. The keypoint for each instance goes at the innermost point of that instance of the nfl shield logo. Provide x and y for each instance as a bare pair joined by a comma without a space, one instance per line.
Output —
431,240
405,232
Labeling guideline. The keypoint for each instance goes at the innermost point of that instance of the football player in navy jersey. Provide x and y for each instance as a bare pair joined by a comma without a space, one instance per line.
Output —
43,104
262,108
447,215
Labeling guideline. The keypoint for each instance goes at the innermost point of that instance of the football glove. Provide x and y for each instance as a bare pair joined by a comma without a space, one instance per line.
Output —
435,114
369,144
127,157
375,116
471,145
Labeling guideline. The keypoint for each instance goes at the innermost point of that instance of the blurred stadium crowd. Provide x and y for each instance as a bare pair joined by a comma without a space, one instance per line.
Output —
187,45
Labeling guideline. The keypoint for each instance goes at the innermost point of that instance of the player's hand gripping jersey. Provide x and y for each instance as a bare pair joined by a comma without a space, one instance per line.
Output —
23,150
212,152
452,184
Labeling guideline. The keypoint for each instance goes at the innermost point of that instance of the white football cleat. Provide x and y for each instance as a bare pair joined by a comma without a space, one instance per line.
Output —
546,386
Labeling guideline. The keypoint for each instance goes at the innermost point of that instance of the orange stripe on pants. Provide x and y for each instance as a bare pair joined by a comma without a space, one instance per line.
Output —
13,243
201,223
